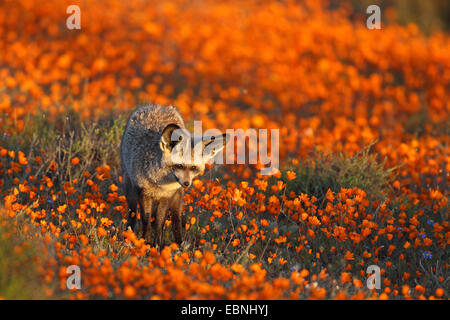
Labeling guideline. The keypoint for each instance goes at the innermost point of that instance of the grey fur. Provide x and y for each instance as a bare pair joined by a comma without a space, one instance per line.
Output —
144,174
150,177
140,151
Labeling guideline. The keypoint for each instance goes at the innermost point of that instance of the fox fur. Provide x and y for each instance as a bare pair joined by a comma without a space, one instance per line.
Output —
152,177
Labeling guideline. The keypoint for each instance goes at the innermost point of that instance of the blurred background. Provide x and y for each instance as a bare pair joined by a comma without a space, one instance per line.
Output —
430,16
363,120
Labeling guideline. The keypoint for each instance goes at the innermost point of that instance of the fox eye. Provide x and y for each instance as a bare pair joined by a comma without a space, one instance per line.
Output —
194,168
178,166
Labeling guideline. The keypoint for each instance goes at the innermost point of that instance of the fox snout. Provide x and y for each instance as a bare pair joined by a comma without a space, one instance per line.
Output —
183,183
186,184
185,174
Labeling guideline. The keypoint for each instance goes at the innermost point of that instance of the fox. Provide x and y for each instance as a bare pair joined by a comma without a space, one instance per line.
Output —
159,160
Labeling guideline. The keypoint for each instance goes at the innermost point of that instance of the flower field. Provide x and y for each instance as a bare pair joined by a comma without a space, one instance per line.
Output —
364,150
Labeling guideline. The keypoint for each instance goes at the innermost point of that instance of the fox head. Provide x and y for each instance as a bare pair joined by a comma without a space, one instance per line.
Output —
185,155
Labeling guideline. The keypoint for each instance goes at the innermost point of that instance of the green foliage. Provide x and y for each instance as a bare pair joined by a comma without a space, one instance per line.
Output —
19,278
337,170
61,140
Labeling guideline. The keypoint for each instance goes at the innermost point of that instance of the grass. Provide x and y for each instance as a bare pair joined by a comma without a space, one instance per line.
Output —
97,144
334,171
19,275
60,140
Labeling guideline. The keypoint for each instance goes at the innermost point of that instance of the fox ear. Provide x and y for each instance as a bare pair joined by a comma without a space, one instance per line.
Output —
212,145
168,139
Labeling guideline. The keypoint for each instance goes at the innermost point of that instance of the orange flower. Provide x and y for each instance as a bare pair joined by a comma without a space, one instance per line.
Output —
53,166
198,254
129,292
290,175
238,268
209,257
349,256
330,196
304,273
22,159
345,277
75,161
101,232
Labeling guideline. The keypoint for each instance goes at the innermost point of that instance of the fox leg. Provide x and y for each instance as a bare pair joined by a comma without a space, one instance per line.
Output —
161,214
132,200
147,209
176,215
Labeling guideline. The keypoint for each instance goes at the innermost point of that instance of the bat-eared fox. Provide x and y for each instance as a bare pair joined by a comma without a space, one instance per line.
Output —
159,159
